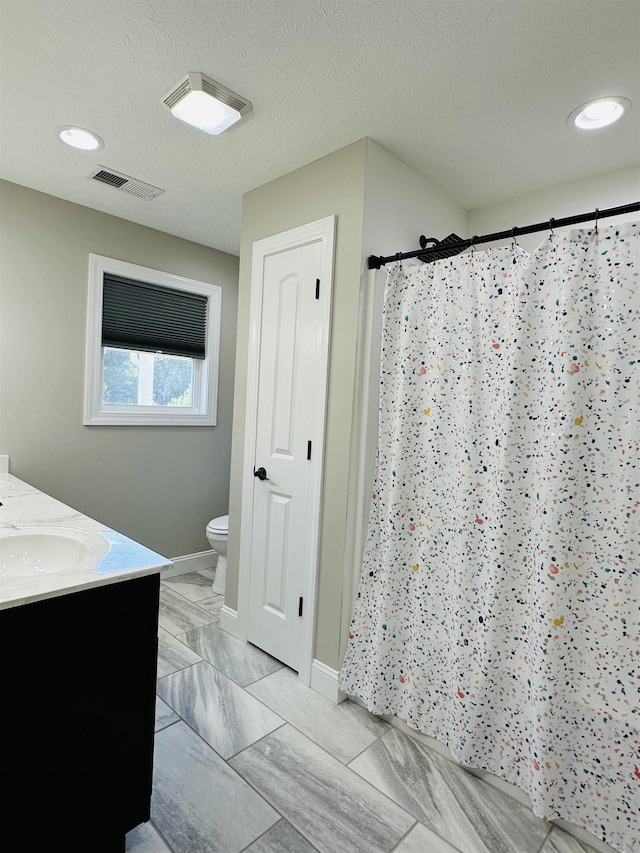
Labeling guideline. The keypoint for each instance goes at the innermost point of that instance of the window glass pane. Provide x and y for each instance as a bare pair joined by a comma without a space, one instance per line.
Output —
120,378
134,378
172,380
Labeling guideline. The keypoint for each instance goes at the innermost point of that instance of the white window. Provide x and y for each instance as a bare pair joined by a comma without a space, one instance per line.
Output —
153,342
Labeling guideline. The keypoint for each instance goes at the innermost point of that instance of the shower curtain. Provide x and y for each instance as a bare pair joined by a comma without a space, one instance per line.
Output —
499,602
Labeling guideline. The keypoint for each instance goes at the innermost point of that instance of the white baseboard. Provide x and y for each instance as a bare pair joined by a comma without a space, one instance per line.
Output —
324,680
229,620
190,563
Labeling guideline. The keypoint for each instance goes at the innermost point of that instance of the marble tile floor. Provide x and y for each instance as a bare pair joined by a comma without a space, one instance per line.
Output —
249,760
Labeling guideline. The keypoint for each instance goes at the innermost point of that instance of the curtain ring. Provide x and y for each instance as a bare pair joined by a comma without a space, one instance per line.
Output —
473,244
514,242
399,258
597,214
551,234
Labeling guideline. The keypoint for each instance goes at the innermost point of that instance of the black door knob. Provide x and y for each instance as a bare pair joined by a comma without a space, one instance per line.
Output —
261,473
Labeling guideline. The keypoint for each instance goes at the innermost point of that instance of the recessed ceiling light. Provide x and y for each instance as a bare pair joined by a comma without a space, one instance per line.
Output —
599,113
78,137
205,104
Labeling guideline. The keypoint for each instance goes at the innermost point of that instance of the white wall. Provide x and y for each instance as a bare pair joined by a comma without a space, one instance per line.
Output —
400,205
607,190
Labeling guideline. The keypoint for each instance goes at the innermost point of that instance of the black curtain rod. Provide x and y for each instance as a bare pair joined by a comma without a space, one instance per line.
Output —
447,247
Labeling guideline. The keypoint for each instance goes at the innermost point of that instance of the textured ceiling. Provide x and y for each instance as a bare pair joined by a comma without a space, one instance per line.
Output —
472,95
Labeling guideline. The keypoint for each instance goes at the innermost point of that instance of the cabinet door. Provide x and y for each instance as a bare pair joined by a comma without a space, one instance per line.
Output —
79,701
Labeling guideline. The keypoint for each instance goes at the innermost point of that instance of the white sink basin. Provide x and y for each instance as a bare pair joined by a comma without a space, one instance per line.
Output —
45,549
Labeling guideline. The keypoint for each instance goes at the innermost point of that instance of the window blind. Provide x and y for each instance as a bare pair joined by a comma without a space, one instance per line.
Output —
148,317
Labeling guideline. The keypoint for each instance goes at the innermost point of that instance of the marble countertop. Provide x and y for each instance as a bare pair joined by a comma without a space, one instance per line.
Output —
119,558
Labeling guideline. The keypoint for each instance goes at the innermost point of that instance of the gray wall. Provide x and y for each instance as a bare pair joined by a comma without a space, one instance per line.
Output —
332,185
158,485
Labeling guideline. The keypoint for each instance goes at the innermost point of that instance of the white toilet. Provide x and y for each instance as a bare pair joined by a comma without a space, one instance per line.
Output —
217,533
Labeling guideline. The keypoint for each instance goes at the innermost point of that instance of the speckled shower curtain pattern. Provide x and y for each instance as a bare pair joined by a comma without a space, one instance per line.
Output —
499,603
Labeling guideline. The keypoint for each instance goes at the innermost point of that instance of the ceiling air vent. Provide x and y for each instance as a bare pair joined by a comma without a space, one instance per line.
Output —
123,182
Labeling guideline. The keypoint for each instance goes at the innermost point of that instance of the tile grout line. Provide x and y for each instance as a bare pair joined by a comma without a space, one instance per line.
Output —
217,668
545,839
295,828
360,778
259,793
364,749
178,637
346,763
404,837
350,769
309,737
157,829
209,746
236,773
244,749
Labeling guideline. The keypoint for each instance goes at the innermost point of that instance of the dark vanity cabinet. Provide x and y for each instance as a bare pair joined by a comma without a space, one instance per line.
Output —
77,708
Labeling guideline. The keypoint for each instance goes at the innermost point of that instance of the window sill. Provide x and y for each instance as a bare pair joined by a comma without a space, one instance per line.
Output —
164,418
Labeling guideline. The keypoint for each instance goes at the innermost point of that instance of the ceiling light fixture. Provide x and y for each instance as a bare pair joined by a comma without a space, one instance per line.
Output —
600,112
78,137
207,105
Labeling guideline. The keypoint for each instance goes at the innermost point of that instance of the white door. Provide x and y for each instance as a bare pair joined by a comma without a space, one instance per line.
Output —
287,411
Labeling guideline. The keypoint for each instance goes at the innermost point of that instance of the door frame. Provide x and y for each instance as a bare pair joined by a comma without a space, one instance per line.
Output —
322,230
